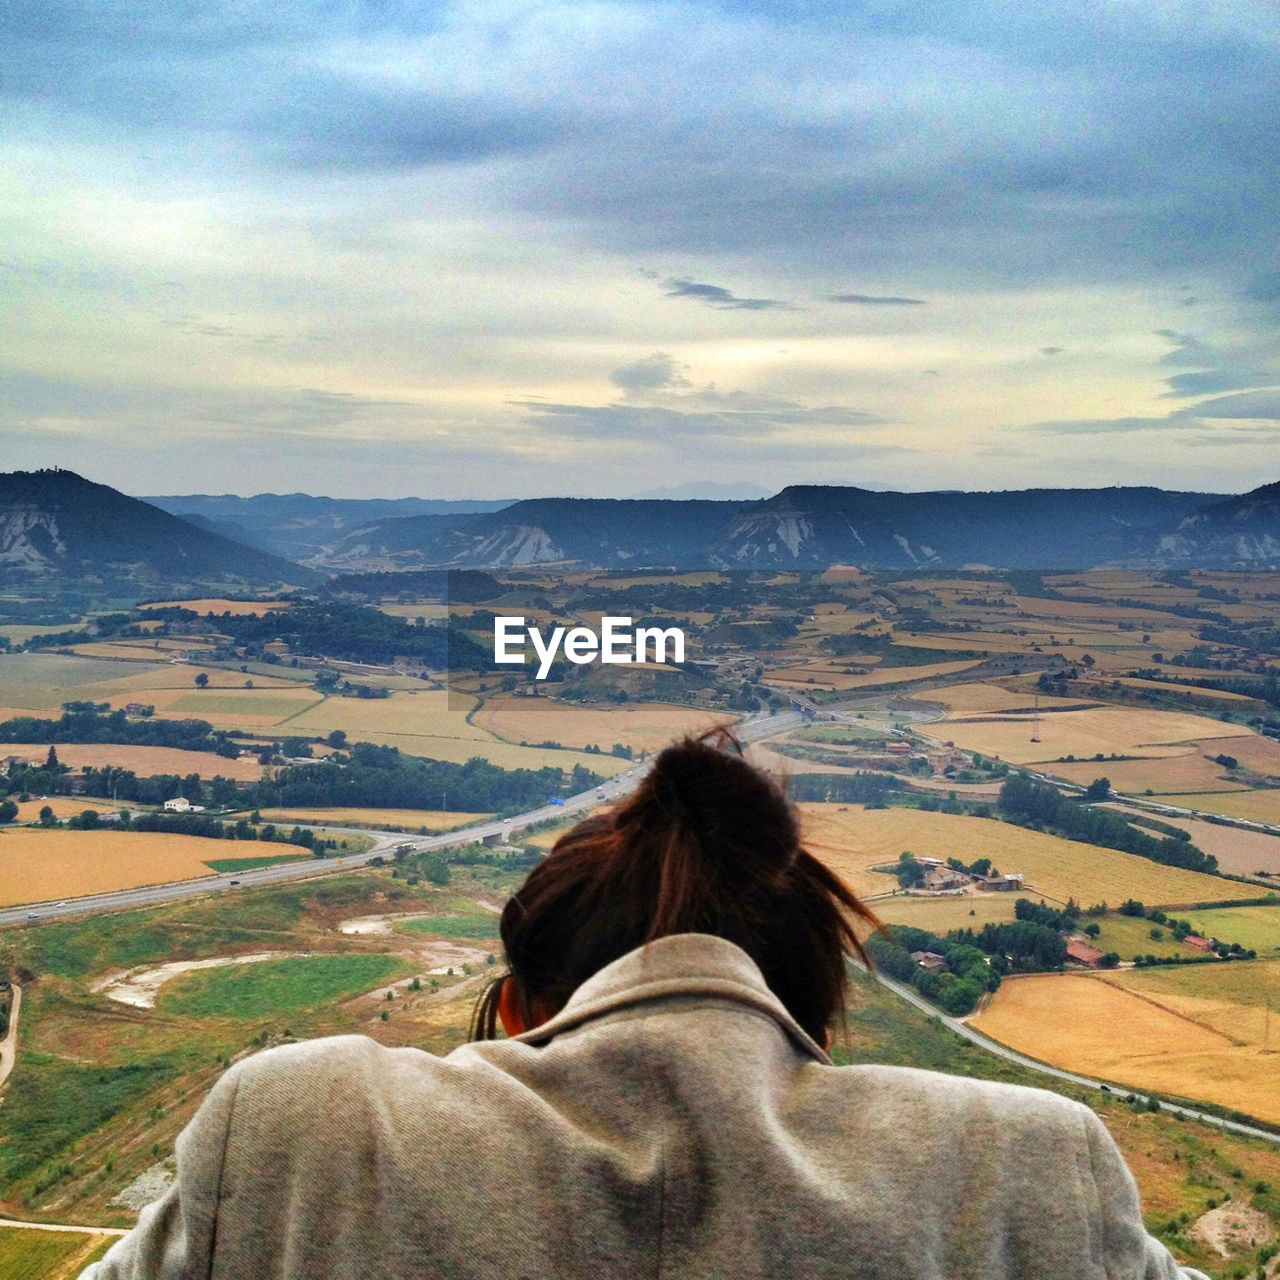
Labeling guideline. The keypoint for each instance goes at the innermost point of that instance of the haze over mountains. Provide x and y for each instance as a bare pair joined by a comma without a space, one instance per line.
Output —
58,529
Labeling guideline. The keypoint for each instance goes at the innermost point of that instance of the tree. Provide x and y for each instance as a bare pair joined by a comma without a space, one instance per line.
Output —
51,760
1098,789
909,870
337,739
46,816
9,810
202,679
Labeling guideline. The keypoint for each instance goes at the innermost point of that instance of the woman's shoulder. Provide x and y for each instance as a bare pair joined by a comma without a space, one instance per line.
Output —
937,1102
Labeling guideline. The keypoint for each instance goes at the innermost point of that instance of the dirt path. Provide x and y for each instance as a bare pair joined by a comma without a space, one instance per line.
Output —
139,987
60,1226
9,1046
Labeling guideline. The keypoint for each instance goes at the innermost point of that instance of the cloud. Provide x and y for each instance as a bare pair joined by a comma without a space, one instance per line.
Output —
1238,365
1110,426
655,372
874,300
1248,404
716,296
701,414
1052,351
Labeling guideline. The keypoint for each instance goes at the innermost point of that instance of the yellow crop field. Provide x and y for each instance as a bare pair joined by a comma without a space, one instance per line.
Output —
236,608
644,726
409,819
1124,730
1097,1027
1256,806
431,610
432,723
1253,751
851,839
37,865
1191,770
1151,1034
1185,690
831,673
940,915
144,761
979,696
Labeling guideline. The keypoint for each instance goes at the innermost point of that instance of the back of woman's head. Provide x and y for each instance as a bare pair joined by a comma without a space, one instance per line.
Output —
705,844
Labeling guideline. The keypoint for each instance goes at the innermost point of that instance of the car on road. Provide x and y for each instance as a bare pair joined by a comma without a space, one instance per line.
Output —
599,795
33,915
556,800
233,881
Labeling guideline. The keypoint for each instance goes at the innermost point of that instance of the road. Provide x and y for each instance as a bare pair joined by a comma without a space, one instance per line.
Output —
384,843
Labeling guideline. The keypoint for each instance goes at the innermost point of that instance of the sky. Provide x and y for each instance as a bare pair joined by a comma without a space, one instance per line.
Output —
384,248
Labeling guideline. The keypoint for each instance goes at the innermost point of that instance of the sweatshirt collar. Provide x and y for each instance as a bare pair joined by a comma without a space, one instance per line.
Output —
681,964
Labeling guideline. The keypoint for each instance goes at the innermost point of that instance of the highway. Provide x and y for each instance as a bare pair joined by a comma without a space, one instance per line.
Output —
385,843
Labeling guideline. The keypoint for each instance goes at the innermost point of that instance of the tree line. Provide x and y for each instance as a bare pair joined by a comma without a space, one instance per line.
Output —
1037,804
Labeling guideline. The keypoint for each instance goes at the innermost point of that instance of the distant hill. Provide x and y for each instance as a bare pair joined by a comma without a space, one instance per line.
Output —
301,526
60,531
594,531
800,527
1241,532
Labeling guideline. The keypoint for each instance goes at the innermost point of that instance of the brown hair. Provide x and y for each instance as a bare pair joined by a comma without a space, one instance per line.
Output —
706,844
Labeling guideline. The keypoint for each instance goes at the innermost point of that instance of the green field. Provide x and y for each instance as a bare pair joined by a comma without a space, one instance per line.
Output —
1254,928
249,703
275,986
244,864
45,1110
40,1255
1129,936
465,926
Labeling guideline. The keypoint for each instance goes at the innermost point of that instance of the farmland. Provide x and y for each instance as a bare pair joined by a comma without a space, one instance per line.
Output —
276,986
144,761
1255,806
1118,730
1239,852
48,1255
237,608
643,727
39,866
1194,1032
852,840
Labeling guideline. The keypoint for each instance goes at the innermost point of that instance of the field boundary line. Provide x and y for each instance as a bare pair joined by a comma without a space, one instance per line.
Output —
1174,1013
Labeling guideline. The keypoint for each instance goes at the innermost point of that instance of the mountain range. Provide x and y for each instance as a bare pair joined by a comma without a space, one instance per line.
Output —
815,526
58,530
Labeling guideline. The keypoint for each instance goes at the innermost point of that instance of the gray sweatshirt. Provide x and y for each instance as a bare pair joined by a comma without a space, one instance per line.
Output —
672,1121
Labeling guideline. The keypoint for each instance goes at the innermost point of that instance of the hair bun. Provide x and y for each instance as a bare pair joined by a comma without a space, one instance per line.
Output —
740,817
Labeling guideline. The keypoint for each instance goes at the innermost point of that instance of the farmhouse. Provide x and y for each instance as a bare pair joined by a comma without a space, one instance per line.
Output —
898,747
180,804
930,960
999,883
1200,944
944,878
1083,953
137,709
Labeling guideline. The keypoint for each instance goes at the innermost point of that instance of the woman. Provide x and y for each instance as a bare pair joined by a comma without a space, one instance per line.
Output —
664,1104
